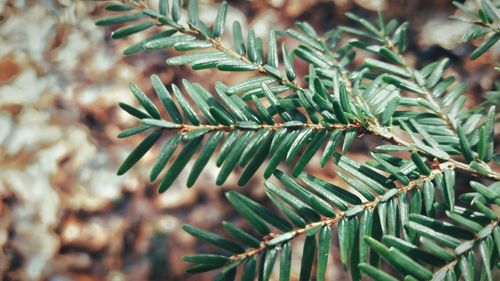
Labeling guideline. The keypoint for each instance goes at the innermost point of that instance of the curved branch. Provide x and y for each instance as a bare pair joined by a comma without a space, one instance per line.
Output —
332,221
274,127
424,89
490,26
472,244
216,42
457,164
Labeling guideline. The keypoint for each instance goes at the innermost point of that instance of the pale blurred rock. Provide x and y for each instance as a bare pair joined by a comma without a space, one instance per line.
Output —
167,224
176,197
93,235
29,32
26,88
5,127
205,216
29,240
277,3
373,5
295,8
442,32
266,20
31,131
73,261
33,187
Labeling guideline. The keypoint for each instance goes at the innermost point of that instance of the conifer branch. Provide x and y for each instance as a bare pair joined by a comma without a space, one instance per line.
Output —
492,175
487,231
484,23
332,221
427,94
463,167
216,42
490,26
185,128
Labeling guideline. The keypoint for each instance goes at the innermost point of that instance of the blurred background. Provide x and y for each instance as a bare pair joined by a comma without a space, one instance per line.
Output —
64,214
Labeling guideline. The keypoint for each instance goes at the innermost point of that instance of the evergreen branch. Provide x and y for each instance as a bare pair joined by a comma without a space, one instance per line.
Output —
392,50
486,232
485,24
186,128
420,83
436,236
490,26
332,221
247,130
407,259
470,228
390,138
216,43
378,130
223,121
492,175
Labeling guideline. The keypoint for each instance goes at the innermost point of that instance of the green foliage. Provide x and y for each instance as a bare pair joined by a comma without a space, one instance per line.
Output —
485,23
389,209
